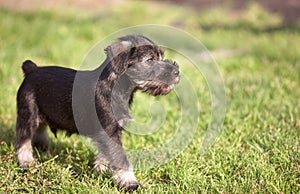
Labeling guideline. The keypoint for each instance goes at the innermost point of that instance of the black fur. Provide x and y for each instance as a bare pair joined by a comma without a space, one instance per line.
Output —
45,99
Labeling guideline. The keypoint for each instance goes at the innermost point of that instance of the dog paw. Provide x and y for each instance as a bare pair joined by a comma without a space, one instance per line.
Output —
25,155
126,180
25,165
101,168
130,187
101,165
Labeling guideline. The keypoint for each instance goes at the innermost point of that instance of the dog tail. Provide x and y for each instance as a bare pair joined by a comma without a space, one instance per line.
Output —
28,67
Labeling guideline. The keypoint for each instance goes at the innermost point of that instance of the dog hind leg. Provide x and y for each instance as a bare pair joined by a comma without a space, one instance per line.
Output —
40,137
101,164
26,126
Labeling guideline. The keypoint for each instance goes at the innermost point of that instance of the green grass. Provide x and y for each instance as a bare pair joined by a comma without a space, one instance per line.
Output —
258,150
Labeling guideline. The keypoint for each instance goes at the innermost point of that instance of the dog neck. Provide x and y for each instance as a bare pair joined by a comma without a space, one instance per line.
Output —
121,90
122,93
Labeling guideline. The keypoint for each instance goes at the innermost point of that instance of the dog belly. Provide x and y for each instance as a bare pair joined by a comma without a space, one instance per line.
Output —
67,126
58,116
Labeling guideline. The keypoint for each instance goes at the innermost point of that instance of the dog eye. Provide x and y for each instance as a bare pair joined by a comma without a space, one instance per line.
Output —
150,59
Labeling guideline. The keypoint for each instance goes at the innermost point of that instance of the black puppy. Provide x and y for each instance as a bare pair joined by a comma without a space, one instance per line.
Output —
63,98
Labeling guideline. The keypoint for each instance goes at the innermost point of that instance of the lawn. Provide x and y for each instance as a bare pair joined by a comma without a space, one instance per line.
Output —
258,150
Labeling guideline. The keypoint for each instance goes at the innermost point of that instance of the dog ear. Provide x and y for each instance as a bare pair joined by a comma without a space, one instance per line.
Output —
118,54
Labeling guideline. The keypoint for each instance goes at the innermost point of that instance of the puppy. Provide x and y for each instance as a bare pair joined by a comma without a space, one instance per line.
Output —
51,96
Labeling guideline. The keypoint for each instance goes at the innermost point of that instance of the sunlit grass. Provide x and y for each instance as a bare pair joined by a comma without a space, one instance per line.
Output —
258,150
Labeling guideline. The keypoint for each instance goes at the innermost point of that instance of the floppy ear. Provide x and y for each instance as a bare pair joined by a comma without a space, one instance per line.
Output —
118,54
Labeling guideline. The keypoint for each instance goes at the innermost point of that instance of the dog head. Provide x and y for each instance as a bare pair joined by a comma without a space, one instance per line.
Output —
142,61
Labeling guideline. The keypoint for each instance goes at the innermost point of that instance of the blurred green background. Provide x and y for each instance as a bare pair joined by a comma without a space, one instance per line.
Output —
255,44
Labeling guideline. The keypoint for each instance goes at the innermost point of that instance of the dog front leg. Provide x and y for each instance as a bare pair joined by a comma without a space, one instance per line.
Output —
112,152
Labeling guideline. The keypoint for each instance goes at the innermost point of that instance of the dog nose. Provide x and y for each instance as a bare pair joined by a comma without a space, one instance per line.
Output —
176,72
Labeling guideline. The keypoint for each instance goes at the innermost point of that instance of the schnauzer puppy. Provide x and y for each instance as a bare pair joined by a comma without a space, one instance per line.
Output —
46,98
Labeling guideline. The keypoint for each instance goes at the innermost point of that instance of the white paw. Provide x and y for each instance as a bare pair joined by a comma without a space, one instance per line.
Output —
101,165
25,154
125,179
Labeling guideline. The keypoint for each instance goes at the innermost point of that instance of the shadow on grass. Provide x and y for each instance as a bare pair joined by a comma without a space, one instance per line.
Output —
68,152
64,151
7,133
